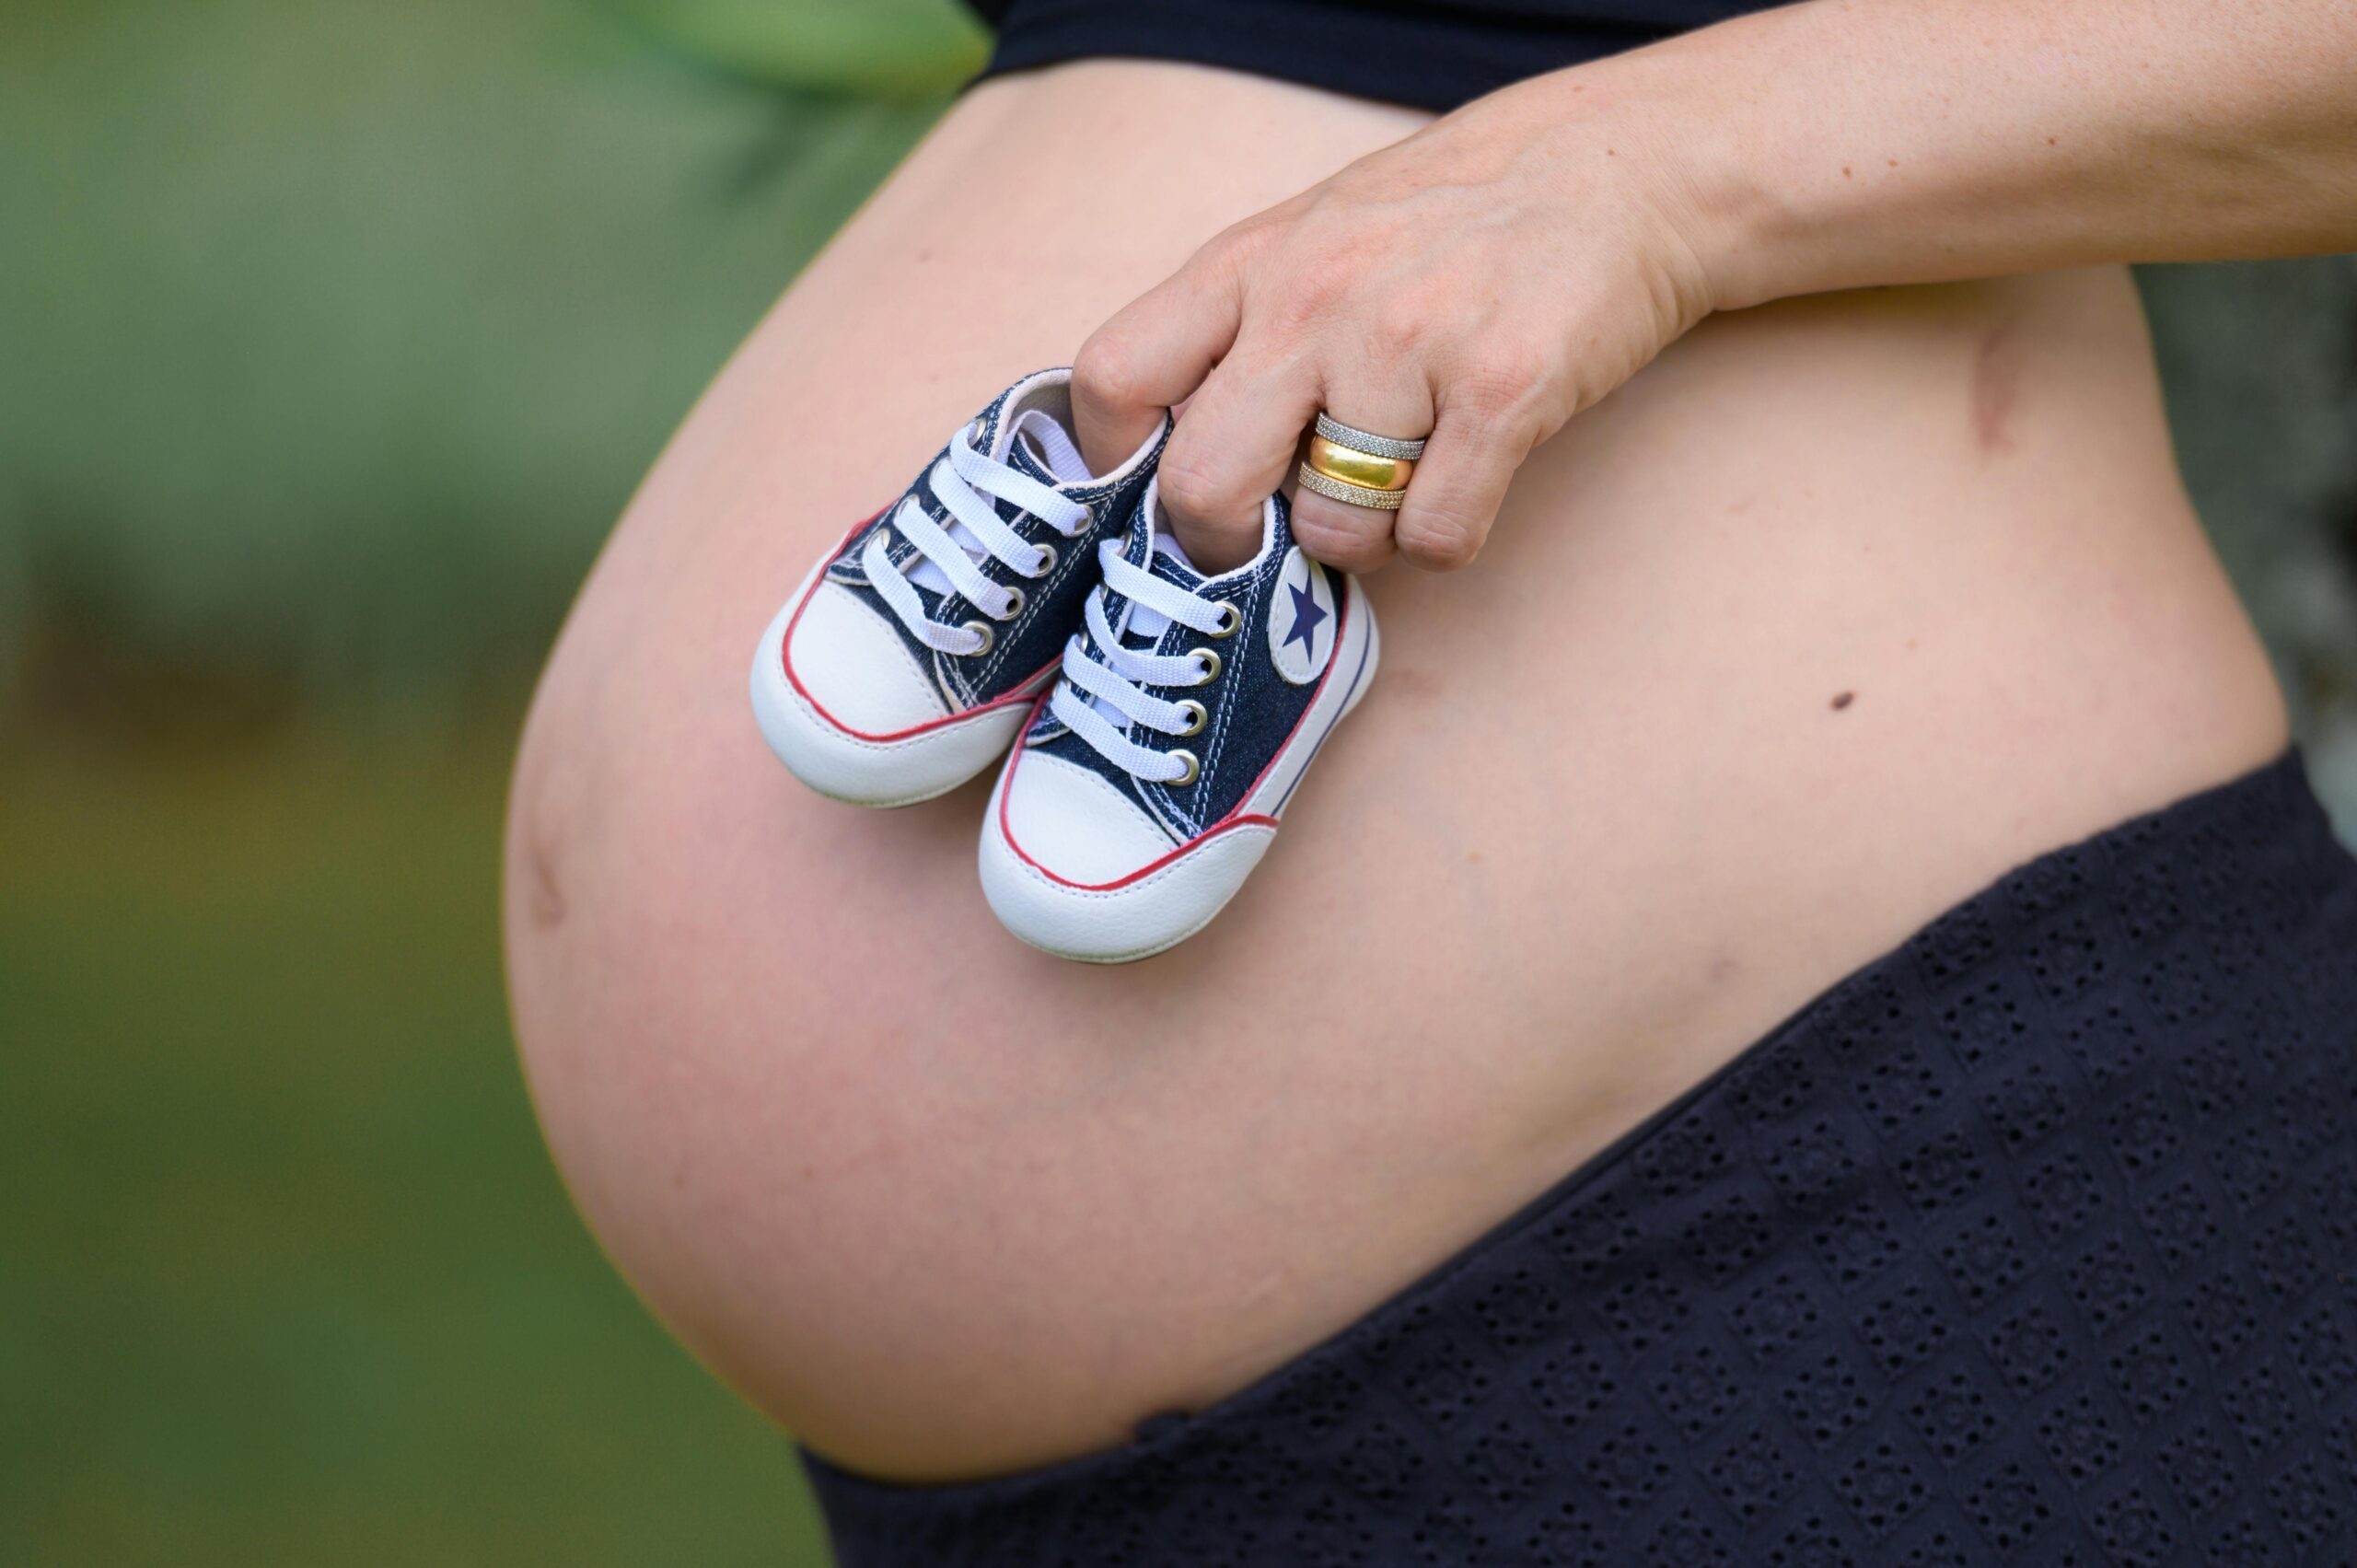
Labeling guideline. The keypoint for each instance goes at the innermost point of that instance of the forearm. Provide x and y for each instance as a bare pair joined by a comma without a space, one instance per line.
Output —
1492,275
1848,142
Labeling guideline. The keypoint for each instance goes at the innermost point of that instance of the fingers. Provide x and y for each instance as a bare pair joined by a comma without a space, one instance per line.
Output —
1152,355
1348,538
1459,485
1235,445
1253,379
1381,402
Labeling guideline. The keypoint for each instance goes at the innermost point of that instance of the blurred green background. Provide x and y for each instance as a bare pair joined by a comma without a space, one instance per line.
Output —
331,340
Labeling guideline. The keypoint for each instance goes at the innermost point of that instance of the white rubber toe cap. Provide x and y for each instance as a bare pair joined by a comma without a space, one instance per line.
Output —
901,747
1071,865
1077,825
849,663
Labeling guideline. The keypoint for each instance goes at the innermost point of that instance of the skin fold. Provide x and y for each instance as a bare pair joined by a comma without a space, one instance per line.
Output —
1811,623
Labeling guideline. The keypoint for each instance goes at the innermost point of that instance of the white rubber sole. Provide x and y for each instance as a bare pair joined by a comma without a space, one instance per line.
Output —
1152,913
869,771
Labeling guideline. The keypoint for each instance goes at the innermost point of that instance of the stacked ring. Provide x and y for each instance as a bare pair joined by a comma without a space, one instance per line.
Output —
1358,467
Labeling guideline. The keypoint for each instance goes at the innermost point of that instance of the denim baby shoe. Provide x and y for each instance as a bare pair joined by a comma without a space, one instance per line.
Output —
1154,774
909,657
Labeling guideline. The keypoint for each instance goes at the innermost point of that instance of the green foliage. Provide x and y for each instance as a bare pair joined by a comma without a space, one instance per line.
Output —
2260,363
284,1275
895,48
334,338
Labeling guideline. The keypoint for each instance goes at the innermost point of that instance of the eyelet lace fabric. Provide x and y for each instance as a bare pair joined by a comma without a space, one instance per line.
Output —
2034,1242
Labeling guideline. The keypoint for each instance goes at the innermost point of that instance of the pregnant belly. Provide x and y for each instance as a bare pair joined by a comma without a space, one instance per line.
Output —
1836,613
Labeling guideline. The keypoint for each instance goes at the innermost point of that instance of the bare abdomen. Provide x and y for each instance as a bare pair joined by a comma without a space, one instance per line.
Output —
1839,612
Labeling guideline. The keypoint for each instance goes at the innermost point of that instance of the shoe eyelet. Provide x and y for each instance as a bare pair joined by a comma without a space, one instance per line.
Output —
1087,521
1210,661
1231,618
982,630
1046,566
1194,769
1015,602
1196,714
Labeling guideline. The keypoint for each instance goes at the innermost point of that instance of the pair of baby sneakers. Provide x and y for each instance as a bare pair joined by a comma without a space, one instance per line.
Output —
1160,717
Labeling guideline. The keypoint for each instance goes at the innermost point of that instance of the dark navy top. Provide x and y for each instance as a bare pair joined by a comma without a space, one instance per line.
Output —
1429,54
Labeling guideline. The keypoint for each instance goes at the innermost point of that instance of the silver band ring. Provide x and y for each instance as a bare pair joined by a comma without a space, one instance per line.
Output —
1348,493
1342,434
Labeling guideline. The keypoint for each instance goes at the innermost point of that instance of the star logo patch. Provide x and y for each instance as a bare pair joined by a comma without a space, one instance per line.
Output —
1306,617
1301,618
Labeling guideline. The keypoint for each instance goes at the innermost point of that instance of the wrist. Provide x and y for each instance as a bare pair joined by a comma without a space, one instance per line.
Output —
1681,129
1738,219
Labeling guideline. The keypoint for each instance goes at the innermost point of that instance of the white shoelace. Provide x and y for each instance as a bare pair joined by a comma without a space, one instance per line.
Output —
963,482
1101,672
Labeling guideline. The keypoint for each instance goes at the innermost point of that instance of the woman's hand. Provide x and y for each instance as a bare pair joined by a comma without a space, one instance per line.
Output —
1481,280
1509,264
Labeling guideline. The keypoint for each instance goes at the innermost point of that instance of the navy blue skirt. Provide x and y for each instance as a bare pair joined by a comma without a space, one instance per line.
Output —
2034,1242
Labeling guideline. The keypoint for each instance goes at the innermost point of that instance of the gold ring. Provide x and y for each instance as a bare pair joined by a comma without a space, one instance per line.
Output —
1349,494
1367,470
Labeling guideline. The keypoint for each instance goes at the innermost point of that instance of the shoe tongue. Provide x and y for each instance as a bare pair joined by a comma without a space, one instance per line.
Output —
1146,625
1167,546
1136,626
1035,445
1032,444
1150,623
1276,534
